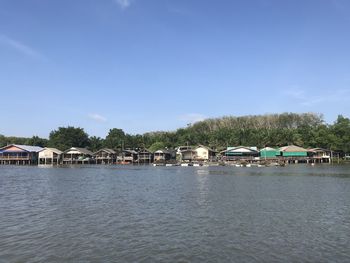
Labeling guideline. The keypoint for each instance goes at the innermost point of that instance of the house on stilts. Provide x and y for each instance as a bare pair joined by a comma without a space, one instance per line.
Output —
50,156
16,154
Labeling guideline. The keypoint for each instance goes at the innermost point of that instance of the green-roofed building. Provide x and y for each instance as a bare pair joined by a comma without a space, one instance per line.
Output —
269,152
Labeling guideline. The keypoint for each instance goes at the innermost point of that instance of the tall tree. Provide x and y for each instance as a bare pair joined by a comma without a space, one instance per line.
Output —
341,130
115,138
96,143
66,137
37,141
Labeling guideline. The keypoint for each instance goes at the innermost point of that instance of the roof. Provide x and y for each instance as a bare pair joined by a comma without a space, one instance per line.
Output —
26,148
240,149
107,150
268,149
292,148
318,150
81,150
54,150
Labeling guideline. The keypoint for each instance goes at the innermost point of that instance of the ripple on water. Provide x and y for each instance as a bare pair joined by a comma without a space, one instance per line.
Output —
174,214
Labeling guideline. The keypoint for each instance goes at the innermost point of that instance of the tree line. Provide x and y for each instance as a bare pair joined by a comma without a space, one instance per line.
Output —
305,130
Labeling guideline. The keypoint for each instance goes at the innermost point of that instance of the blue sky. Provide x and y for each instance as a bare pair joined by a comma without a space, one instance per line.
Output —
147,65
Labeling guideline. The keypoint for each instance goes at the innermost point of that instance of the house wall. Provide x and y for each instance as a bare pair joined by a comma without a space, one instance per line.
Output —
202,153
268,154
46,154
294,154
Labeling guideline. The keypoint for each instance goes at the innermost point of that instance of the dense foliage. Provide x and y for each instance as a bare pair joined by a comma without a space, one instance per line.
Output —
306,130
66,137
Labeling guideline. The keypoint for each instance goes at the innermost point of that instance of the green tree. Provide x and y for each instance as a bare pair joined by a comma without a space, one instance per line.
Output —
37,141
157,146
66,137
2,140
341,130
96,143
115,138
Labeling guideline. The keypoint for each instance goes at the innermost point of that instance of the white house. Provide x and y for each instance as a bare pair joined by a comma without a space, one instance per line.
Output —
204,153
50,156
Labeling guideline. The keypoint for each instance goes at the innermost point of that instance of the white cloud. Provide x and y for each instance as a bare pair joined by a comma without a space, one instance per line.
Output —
20,47
192,117
97,117
123,3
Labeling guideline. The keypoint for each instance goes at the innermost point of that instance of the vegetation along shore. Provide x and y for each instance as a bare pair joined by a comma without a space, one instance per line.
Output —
223,136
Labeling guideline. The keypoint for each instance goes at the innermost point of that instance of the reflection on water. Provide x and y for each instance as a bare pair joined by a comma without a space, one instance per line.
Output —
174,214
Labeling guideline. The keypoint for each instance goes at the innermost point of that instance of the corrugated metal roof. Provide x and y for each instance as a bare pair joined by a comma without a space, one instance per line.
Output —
240,149
26,148
292,148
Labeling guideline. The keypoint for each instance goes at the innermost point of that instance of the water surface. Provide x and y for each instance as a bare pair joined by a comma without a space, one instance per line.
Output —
175,214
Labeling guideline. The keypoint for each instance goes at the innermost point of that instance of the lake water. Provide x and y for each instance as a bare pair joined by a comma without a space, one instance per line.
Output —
297,213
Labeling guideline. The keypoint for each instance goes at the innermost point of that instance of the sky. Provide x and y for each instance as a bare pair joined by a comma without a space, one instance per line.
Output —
150,65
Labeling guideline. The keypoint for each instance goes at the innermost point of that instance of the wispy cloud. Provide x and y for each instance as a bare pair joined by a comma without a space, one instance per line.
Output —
124,4
192,117
20,47
97,117
304,98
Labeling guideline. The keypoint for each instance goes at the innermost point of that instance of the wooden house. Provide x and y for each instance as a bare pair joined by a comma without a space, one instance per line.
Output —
19,154
320,155
76,155
240,153
204,153
105,156
127,156
144,156
50,156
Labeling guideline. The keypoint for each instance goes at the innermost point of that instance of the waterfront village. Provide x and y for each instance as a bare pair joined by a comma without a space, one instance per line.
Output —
181,156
